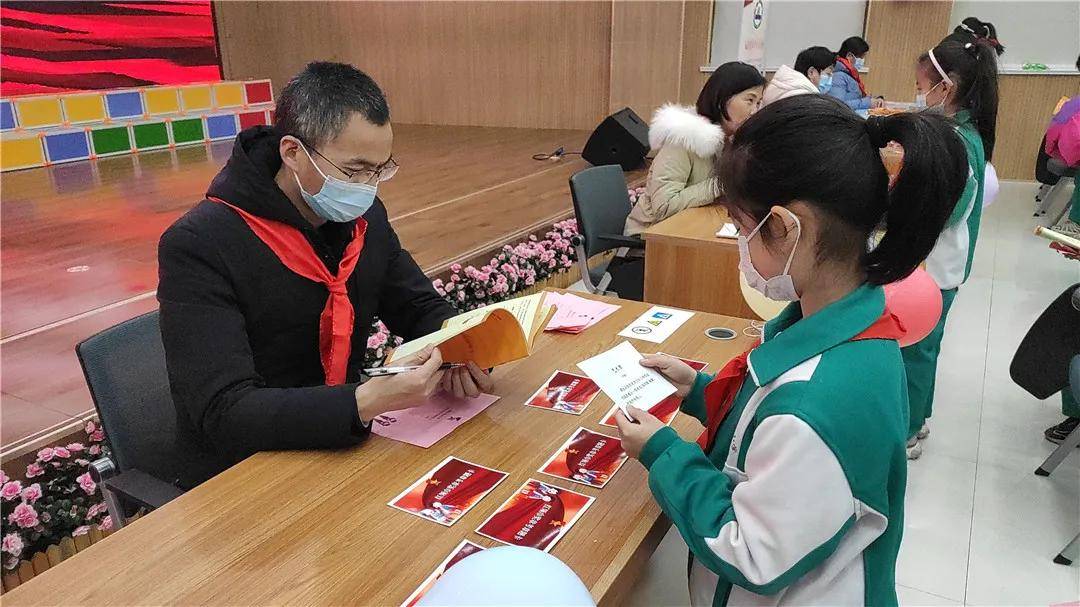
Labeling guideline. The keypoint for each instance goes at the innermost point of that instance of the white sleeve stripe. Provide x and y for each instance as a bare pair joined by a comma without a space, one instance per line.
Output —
795,499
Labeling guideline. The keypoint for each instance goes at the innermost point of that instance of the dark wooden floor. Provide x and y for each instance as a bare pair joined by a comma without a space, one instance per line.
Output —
78,242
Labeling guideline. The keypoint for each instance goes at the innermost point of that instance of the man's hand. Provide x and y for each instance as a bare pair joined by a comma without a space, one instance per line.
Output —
402,391
633,434
675,370
877,102
470,381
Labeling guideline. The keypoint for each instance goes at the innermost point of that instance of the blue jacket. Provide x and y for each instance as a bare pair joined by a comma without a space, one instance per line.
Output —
847,90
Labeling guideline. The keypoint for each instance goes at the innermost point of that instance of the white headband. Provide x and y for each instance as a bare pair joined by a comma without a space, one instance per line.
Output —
937,66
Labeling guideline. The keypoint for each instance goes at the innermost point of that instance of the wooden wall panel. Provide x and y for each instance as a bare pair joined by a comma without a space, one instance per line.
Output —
521,64
1027,102
646,54
898,32
696,44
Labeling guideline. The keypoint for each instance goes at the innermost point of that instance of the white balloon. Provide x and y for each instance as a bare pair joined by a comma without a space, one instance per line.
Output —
510,576
990,185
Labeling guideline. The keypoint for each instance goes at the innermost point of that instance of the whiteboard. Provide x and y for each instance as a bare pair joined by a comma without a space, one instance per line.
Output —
790,26
1032,31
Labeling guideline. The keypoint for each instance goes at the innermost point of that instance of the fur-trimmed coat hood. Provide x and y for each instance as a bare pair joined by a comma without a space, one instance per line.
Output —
681,126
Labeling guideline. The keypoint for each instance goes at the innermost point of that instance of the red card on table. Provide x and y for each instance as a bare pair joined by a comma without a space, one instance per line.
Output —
586,457
464,549
664,410
565,392
536,516
447,492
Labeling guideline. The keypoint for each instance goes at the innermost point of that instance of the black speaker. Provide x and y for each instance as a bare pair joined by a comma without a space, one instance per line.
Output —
622,139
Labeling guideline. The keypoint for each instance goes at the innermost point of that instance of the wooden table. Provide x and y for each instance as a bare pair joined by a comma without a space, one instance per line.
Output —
687,266
313,527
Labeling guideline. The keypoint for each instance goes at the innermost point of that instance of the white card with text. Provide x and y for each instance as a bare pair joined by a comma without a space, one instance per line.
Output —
620,375
657,324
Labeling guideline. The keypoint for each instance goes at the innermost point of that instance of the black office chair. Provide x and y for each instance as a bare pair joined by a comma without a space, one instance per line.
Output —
601,203
1049,173
125,370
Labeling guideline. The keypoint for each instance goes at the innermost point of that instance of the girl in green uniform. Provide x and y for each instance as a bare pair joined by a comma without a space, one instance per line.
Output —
795,492
959,80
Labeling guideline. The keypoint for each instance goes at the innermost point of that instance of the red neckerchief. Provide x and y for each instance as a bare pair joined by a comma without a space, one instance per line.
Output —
721,391
295,252
854,74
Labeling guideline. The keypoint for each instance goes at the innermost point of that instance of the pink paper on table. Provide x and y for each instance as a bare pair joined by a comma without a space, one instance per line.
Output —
574,314
427,424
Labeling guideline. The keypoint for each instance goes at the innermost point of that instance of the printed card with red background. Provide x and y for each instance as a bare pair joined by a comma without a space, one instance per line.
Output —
447,492
464,549
586,457
664,410
565,392
536,516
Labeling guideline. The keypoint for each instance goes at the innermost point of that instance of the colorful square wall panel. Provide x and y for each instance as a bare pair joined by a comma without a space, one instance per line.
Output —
7,115
20,151
110,140
161,101
84,108
150,135
250,119
188,130
124,104
64,146
195,98
36,112
258,92
222,126
228,94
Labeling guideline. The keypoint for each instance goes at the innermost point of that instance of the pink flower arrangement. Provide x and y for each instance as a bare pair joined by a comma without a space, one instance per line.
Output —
60,501
11,490
12,544
86,483
24,516
32,493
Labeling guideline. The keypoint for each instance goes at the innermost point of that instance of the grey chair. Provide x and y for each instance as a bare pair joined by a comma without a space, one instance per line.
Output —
601,203
1047,362
1044,198
124,367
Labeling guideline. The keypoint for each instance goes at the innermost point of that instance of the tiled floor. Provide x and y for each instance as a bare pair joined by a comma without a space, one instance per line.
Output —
981,528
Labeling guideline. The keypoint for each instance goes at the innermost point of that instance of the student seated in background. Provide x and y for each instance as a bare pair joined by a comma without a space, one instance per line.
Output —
269,285
847,85
686,140
958,80
812,74
794,494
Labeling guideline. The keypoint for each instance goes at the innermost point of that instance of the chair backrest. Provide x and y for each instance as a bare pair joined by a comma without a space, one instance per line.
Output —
125,370
601,203
1042,361
1074,377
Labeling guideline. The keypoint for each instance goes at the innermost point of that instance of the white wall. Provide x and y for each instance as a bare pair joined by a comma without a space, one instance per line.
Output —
791,26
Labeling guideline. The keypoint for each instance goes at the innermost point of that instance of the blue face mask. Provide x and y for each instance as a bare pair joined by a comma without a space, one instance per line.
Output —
338,201
859,63
825,83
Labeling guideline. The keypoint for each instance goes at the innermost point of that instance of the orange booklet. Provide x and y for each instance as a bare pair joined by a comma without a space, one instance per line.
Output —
490,336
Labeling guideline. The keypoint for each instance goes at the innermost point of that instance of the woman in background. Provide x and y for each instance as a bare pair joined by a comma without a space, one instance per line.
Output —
960,81
847,86
813,73
687,138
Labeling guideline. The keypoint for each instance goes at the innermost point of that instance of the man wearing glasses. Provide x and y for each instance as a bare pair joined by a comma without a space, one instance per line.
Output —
269,286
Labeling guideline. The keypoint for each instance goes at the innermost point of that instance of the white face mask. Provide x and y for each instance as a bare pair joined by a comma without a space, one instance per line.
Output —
780,287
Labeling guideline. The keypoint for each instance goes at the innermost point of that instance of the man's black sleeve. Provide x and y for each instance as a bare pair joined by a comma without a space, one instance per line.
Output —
409,305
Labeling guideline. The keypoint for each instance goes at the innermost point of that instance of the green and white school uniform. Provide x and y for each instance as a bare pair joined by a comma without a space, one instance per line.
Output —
800,498
949,264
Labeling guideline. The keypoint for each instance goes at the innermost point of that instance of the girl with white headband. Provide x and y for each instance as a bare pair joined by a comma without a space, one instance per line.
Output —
959,80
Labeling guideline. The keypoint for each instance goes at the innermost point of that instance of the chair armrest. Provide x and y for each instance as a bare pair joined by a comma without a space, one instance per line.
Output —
143,489
632,242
